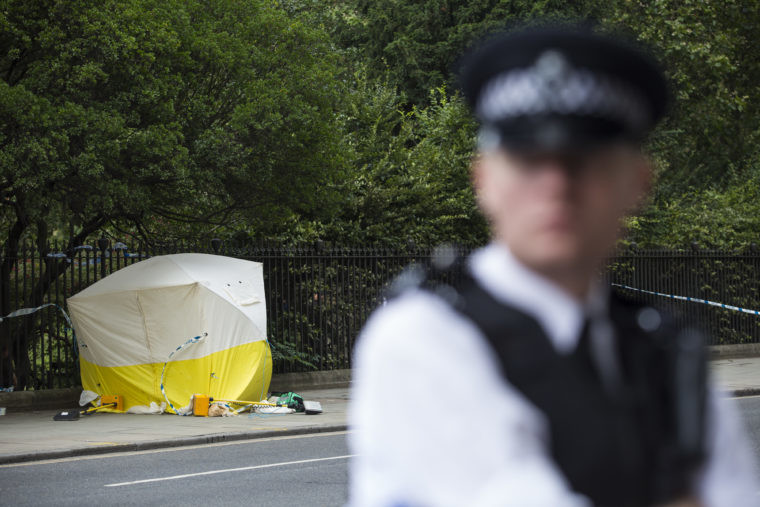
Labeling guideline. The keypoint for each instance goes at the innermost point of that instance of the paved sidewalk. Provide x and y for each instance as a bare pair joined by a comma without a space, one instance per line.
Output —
29,436
740,376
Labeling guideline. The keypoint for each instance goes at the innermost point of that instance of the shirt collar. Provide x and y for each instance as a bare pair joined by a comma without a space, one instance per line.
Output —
559,314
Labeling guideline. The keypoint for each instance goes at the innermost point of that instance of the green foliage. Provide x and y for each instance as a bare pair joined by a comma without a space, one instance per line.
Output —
85,120
707,144
727,219
301,119
187,110
419,42
706,150
710,137
412,172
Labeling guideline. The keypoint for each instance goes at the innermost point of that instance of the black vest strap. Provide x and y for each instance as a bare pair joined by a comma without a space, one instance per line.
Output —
617,450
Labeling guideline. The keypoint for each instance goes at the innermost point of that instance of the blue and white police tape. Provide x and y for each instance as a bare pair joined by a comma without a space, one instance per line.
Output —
28,311
189,342
690,299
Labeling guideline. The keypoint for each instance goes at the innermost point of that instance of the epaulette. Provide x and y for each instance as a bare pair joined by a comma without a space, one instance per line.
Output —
442,275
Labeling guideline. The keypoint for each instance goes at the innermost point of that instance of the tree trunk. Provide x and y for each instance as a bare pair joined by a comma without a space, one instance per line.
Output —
20,335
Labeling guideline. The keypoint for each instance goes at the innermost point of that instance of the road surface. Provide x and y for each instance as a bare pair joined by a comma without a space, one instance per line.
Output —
300,470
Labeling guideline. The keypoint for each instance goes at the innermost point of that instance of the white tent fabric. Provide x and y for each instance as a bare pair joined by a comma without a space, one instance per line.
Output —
141,313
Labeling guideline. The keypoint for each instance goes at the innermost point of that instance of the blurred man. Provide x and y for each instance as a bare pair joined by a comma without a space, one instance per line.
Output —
528,383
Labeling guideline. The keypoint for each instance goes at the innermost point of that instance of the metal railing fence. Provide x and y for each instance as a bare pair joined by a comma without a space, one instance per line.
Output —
731,278
318,297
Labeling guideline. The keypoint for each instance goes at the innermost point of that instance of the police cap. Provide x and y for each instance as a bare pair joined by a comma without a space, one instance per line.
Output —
561,87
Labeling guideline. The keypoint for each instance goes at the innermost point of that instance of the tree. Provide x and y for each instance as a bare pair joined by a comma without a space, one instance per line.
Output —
710,135
727,220
419,42
707,143
122,112
411,179
706,149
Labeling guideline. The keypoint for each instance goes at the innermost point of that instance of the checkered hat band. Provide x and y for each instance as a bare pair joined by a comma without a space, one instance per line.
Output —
528,92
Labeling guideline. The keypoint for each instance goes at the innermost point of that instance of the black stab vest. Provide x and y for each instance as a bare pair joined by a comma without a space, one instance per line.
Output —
618,450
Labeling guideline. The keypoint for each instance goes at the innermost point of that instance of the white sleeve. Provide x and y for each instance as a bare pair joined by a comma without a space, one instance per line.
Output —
729,478
433,423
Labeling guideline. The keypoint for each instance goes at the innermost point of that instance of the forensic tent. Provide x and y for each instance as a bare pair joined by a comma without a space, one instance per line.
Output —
145,320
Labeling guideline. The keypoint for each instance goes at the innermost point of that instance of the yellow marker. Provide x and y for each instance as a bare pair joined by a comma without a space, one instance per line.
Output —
258,403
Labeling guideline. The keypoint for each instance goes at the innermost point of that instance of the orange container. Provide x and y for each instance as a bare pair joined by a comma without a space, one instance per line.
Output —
200,405
115,398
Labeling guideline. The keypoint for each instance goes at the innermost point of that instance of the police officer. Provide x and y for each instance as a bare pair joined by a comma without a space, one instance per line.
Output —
528,383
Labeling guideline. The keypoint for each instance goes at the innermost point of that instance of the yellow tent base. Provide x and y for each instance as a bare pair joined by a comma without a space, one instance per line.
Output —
242,372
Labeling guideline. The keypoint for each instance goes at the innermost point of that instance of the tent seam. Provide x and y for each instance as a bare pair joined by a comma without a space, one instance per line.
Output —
145,325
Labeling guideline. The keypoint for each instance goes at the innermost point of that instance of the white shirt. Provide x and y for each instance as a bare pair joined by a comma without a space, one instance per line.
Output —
435,423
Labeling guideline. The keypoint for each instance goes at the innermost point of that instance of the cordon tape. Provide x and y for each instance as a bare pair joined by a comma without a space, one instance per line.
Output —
189,342
28,311
690,299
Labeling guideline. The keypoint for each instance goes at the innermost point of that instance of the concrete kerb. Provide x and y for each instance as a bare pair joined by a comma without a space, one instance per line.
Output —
737,351
168,443
740,393
41,400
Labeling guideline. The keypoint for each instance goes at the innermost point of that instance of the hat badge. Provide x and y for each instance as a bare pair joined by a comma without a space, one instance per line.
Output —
552,67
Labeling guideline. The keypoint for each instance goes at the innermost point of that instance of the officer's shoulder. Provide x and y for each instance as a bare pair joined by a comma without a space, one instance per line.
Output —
416,321
443,276
420,297
413,303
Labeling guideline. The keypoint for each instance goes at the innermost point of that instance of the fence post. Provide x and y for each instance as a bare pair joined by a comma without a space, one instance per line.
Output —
103,245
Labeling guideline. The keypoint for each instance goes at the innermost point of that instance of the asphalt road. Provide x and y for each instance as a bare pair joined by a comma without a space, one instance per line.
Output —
302,470
750,410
